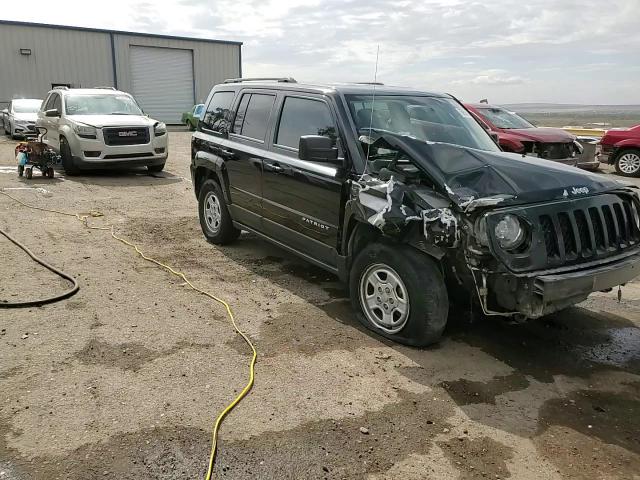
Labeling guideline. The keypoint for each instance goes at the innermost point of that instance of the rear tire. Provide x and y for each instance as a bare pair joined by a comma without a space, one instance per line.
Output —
628,162
215,219
28,173
191,126
399,293
67,159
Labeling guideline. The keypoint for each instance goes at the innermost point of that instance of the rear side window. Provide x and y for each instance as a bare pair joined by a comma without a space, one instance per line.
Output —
217,116
303,116
253,115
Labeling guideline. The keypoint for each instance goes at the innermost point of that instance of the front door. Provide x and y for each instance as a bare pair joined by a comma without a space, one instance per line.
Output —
301,199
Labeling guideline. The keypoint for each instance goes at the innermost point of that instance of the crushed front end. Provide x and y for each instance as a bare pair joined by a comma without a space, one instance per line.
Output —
569,249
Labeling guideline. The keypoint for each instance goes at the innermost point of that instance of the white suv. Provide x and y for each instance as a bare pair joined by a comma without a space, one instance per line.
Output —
101,128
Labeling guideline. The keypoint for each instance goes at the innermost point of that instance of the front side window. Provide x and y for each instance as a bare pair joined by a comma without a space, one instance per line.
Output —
217,116
50,101
101,105
252,121
26,106
57,103
431,119
502,118
303,116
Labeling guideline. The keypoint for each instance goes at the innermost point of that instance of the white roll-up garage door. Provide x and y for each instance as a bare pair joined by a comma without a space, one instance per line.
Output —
162,81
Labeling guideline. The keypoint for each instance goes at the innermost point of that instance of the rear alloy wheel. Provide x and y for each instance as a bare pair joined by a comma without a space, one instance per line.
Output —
628,163
215,219
399,293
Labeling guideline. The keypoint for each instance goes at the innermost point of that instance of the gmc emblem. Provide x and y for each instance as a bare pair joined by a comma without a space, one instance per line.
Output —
130,133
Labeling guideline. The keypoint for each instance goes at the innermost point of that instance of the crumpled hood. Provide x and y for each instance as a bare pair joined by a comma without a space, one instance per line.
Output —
25,117
469,176
100,121
541,134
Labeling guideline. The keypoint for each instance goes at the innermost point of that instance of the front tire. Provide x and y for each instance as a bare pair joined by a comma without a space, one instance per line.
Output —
628,162
215,219
155,168
399,293
67,158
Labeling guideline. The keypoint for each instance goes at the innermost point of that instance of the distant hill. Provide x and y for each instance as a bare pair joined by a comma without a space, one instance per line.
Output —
566,107
561,115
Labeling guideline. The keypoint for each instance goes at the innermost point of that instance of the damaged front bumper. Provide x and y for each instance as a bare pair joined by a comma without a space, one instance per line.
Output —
535,295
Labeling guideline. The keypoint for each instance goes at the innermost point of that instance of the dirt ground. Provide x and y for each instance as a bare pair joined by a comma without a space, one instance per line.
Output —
124,380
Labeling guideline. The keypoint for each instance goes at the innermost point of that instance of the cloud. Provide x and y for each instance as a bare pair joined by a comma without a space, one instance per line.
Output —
497,78
533,51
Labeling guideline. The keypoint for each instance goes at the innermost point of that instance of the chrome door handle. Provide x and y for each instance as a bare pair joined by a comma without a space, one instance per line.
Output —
275,168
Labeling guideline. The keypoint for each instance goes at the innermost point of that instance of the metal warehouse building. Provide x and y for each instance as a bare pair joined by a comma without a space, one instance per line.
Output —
166,74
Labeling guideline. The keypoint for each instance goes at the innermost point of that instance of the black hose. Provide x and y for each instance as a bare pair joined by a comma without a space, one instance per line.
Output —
44,301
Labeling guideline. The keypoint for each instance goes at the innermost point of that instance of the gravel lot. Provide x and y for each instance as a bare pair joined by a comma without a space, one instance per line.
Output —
124,380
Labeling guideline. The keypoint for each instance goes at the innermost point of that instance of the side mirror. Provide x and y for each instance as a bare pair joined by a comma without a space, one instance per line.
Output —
315,148
52,113
5,111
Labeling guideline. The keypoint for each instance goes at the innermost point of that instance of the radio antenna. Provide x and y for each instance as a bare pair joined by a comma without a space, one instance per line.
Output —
373,104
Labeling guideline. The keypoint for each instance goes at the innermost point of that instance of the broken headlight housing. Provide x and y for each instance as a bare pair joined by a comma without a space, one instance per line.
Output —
509,232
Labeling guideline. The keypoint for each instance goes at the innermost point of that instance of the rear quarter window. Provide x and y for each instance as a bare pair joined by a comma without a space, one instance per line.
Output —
218,115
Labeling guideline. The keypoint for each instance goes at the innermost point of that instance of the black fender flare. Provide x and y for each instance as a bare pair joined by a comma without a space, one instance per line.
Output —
208,166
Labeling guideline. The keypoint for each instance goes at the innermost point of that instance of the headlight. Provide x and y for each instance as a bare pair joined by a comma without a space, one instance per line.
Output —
160,129
509,232
85,131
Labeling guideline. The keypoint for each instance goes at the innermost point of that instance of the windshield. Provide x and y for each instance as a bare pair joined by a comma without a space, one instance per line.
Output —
26,106
429,119
502,118
101,105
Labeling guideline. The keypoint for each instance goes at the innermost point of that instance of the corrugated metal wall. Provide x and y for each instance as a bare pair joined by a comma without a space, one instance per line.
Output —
57,56
83,58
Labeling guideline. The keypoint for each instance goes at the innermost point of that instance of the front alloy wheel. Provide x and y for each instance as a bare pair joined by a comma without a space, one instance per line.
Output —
628,163
384,298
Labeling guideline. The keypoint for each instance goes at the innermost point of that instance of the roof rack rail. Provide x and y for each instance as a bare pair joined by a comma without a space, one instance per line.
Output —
369,83
261,79
105,88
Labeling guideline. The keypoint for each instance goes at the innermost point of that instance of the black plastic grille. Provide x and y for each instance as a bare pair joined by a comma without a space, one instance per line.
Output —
589,233
126,136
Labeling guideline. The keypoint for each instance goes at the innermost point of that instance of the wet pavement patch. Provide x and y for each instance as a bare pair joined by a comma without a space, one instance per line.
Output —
127,356
348,448
477,457
574,342
614,418
465,392
170,453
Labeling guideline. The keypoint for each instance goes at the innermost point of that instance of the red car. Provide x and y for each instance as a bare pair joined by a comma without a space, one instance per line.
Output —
621,147
517,135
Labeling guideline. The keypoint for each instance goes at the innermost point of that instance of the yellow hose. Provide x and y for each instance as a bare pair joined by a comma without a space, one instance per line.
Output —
84,218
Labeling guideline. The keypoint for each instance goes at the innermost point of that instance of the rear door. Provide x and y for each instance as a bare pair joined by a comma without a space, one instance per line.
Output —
245,152
301,199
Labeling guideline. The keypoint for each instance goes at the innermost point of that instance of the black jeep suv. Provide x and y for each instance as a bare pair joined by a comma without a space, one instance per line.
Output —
405,197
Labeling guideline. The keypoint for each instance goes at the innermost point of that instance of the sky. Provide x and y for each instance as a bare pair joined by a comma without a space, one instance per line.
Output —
508,51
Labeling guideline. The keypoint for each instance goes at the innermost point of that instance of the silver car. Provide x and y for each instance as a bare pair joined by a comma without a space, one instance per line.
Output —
20,119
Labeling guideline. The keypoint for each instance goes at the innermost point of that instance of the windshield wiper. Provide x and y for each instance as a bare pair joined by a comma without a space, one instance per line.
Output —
121,113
